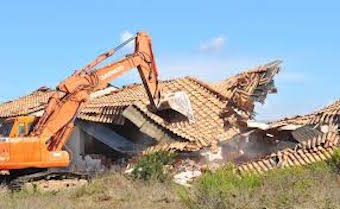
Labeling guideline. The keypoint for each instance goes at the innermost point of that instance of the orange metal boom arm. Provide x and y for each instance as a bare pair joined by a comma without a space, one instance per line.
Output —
144,60
58,120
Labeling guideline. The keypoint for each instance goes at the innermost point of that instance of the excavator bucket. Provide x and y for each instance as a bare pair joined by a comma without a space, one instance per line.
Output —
179,102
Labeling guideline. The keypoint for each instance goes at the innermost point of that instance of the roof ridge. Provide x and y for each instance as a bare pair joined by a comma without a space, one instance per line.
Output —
42,89
208,87
255,69
190,78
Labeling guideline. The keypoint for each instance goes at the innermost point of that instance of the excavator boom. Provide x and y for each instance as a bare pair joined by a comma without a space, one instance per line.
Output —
43,147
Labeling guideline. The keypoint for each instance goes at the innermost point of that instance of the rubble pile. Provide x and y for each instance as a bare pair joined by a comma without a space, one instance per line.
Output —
223,129
307,152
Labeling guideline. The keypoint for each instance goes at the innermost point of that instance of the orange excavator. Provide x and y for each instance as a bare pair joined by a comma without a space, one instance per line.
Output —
43,147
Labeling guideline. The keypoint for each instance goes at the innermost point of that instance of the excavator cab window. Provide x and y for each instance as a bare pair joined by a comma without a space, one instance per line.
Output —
30,127
6,128
21,129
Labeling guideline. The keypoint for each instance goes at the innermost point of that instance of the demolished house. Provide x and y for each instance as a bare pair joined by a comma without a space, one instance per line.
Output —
117,123
296,141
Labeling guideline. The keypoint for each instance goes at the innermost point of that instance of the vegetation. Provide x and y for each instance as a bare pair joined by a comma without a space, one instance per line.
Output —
314,186
334,162
152,166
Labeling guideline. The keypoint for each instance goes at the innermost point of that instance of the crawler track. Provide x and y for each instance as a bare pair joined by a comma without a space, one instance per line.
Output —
17,182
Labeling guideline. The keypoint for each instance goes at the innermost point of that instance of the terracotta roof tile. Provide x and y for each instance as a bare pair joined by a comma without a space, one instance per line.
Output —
301,155
209,105
31,103
250,86
326,115
312,149
206,106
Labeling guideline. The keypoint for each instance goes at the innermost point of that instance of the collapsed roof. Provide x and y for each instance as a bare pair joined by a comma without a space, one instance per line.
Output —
248,87
327,115
32,103
220,109
317,135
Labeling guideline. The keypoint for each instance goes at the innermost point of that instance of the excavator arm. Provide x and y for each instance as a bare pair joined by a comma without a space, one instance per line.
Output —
142,59
43,148
58,120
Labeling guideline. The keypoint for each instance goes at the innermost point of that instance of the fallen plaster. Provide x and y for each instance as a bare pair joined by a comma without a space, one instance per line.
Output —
186,177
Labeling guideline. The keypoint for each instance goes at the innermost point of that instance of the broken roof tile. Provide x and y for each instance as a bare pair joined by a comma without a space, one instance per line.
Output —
327,115
209,105
301,155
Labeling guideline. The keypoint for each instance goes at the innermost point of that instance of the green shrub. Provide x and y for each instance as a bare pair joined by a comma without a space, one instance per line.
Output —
152,166
296,187
334,162
224,180
214,190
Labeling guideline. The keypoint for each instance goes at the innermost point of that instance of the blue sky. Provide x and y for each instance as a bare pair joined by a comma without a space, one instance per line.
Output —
42,42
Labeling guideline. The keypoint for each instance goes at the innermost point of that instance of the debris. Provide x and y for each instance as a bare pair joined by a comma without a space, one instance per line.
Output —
128,171
303,154
221,130
186,177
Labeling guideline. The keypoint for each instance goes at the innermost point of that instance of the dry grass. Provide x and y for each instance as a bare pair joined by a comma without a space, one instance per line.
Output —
111,191
316,186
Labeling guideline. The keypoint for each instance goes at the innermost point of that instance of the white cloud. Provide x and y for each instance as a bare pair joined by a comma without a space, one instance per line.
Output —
214,44
124,36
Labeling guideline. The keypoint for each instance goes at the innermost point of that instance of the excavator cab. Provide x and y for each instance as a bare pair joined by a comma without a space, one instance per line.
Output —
17,127
17,146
